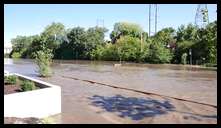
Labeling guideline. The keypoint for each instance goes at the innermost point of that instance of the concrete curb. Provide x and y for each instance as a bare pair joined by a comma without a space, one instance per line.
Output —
37,103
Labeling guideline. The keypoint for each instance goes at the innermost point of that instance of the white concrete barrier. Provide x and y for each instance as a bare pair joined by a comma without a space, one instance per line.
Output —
37,103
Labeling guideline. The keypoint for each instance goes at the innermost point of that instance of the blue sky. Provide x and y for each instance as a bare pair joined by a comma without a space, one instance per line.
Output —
30,19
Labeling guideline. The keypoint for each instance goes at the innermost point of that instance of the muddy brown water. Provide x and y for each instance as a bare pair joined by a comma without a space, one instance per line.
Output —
171,80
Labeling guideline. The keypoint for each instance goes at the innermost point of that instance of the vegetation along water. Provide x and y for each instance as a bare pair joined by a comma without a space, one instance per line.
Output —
129,42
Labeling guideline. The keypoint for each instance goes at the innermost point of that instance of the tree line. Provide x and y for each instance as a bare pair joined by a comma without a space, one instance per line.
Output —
129,42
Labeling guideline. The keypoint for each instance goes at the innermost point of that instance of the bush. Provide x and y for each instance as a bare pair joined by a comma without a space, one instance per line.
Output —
110,53
131,49
96,54
16,55
210,65
107,52
28,85
12,79
43,59
184,58
158,53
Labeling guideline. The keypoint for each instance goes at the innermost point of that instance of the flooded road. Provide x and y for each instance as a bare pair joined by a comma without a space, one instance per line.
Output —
171,80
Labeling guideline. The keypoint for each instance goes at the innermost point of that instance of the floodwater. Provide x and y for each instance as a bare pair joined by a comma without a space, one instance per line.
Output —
172,80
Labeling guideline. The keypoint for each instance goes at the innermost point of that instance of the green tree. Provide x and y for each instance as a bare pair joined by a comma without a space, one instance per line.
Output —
95,37
187,38
81,43
125,28
212,42
188,33
53,34
97,53
21,45
36,45
158,53
77,42
64,51
183,47
132,49
206,46
109,52
166,36
127,48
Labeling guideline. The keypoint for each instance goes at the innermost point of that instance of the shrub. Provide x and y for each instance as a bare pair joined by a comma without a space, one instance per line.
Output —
131,49
16,55
158,53
107,52
28,85
110,53
210,65
96,54
10,79
43,59
184,58
184,47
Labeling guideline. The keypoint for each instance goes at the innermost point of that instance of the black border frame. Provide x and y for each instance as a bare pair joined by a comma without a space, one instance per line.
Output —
118,2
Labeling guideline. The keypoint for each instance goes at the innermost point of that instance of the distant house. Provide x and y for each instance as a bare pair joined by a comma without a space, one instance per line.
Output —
7,48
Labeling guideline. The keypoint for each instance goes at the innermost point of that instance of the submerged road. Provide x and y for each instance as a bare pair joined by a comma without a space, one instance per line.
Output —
85,102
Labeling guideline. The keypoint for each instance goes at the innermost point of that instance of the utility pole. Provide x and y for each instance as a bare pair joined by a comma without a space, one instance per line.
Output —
103,23
155,18
149,19
141,42
100,22
97,23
